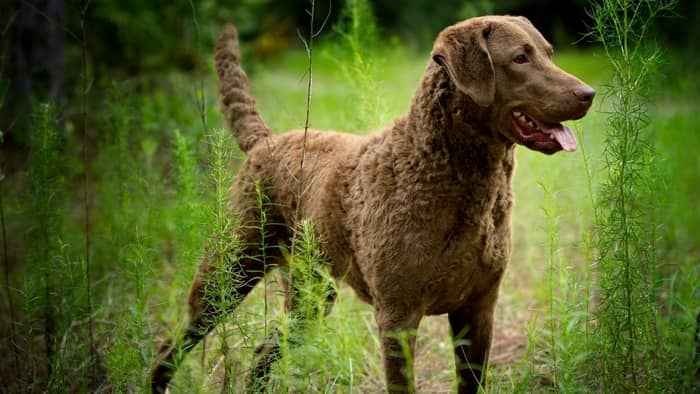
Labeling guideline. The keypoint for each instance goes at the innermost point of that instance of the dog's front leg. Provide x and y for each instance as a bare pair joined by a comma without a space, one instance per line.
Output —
472,330
398,338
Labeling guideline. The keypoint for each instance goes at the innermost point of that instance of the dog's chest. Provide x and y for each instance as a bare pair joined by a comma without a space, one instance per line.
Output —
437,259
475,251
429,242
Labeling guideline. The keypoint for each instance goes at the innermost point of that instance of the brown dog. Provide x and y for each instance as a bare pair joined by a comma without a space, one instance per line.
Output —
416,218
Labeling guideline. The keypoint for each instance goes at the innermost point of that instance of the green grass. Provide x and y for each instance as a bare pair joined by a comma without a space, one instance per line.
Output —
153,193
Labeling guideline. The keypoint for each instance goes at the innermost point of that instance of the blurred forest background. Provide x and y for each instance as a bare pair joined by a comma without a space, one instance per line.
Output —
42,40
110,141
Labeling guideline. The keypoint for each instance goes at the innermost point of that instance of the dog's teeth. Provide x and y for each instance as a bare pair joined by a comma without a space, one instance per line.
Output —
525,119
551,136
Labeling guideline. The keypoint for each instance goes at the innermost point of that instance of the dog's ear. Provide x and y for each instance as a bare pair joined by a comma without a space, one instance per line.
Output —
462,52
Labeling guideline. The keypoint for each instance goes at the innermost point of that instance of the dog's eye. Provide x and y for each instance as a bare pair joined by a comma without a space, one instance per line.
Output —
520,59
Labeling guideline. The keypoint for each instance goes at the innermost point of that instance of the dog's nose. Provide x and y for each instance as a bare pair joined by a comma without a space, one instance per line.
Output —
584,93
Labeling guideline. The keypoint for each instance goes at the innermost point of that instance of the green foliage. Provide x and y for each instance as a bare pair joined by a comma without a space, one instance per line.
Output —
357,26
309,275
149,35
310,286
321,353
224,251
190,215
679,272
627,213
421,20
45,232
46,177
566,333
359,40
51,293
132,327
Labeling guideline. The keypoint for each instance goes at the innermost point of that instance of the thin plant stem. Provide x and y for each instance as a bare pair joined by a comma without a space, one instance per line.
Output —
43,188
309,45
199,88
263,250
589,243
86,186
202,108
551,256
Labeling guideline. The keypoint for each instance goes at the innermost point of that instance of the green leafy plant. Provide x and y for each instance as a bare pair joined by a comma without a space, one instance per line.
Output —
45,187
359,38
628,337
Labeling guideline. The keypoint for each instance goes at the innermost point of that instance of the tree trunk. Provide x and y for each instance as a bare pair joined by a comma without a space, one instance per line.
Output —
33,61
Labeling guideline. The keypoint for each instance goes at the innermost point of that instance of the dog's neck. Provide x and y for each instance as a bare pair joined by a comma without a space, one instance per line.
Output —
447,125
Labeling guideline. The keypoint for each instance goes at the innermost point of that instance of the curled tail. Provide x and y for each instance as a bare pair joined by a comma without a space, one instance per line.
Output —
237,104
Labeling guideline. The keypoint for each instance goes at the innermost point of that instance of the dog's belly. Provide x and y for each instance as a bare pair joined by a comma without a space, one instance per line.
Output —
344,269
469,285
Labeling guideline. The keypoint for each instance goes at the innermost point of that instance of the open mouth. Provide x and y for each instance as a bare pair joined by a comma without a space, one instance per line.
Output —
546,137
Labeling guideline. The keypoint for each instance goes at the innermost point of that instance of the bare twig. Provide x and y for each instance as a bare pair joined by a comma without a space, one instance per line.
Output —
199,88
201,103
308,45
328,16
9,23
309,53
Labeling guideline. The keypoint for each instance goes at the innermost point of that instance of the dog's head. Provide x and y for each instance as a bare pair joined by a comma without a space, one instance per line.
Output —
503,64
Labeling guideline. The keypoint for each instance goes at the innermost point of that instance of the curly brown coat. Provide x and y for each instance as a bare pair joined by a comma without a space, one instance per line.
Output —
416,219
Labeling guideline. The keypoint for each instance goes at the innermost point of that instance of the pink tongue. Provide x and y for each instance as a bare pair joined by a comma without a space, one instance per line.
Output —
562,134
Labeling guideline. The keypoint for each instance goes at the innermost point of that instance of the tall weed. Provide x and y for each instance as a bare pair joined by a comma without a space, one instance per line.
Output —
628,339
359,38
44,286
225,249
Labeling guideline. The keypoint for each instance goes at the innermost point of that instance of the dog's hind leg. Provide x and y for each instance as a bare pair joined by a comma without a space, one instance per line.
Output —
205,314
267,353
208,303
